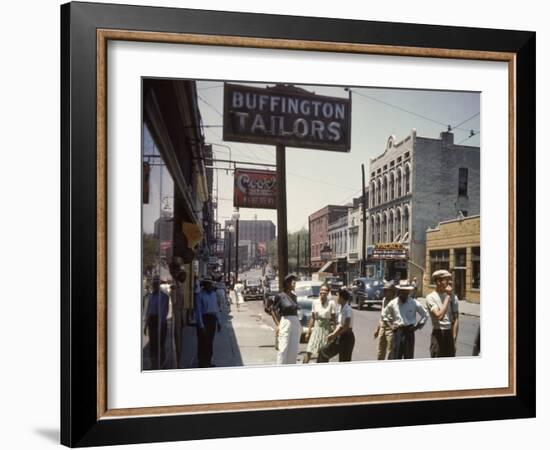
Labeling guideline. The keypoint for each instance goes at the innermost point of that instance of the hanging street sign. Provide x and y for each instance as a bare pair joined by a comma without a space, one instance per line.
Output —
255,189
286,115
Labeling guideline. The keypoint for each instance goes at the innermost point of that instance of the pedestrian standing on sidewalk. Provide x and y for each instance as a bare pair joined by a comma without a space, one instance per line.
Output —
401,314
384,331
178,311
288,328
442,304
342,340
207,316
323,319
414,284
239,293
155,324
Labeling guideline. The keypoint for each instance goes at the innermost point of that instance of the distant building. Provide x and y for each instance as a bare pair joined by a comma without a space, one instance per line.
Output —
318,230
454,245
258,233
413,185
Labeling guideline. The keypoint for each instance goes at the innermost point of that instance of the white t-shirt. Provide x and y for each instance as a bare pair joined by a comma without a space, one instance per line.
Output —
343,313
435,300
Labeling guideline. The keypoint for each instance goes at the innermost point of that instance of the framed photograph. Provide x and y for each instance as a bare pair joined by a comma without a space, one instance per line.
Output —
279,224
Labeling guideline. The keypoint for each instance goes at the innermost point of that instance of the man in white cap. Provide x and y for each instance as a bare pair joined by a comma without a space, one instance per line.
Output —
401,314
443,307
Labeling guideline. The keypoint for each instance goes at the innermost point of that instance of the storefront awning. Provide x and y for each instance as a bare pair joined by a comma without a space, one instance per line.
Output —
192,232
325,267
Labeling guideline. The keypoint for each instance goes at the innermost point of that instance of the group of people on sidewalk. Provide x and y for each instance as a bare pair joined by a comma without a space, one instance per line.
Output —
330,329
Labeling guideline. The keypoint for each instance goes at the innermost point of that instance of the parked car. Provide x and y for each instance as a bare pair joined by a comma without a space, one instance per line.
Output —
334,283
306,292
269,295
367,292
253,290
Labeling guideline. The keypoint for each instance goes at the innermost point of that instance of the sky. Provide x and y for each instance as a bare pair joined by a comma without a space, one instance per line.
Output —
316,178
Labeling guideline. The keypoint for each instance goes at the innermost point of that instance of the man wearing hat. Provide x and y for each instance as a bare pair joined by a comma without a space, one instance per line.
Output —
384,331
207,316
155,323
288,329
443,307
401,314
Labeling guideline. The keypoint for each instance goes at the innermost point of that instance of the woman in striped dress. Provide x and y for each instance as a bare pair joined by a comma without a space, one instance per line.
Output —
323,318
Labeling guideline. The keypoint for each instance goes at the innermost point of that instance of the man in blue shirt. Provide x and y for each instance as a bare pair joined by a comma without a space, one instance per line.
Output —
155,324
207,316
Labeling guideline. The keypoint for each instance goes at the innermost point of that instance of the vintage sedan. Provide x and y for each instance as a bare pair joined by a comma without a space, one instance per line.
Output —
253,290
367,292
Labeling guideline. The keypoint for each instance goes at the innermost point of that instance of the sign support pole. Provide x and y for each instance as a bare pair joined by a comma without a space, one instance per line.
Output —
364,225
282,235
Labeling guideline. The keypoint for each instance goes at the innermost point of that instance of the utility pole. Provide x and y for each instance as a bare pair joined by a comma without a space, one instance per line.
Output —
298,255
282,241
364,220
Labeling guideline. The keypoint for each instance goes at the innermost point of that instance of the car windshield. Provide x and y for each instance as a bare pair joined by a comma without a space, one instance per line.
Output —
305,305
252,283
307,291
371,281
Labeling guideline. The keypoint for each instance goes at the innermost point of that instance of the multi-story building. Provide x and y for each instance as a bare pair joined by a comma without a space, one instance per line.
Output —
318,232
338,242
415,184
454,246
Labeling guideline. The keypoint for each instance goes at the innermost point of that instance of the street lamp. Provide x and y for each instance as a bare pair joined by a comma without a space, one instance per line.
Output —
235,218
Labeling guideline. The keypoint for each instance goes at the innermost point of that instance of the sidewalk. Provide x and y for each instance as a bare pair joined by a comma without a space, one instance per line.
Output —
464,307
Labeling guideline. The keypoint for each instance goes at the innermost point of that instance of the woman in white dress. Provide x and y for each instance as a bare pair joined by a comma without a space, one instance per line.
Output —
323,318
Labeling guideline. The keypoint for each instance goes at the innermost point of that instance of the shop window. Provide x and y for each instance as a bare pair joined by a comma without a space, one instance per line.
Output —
476,268
460,257
439,260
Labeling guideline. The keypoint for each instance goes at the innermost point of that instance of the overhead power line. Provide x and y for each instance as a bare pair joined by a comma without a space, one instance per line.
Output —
391,105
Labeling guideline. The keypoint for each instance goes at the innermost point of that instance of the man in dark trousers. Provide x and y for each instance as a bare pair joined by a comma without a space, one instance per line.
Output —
207,316
155,323
342,340
401,314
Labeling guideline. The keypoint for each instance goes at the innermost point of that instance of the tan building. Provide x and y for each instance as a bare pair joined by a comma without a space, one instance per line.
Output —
454,246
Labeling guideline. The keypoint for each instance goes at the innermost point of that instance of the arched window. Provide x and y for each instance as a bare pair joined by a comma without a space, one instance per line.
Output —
407,186
398,224
373,194
399,175
385,228
406,218
378,230
390,226
379,192
391,186
372,231
385,189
